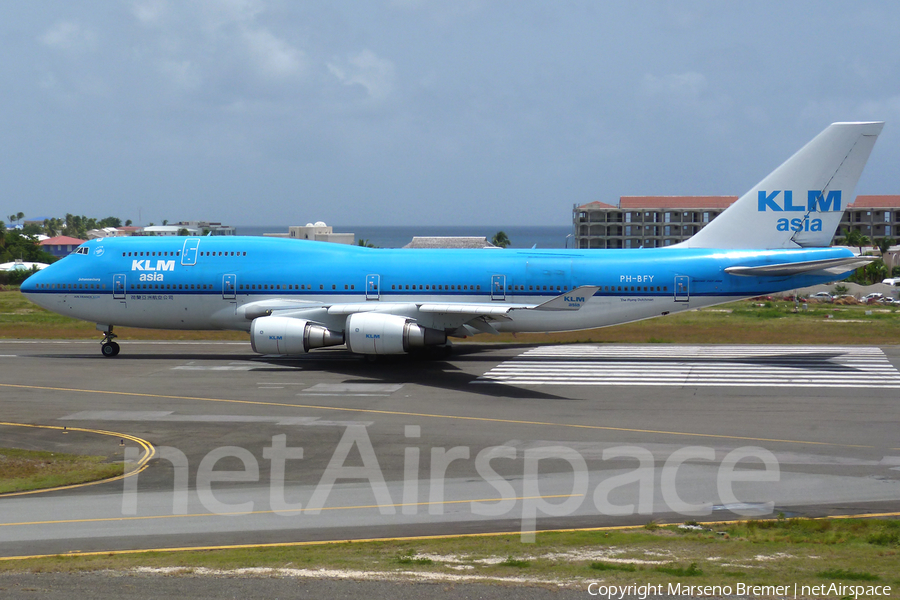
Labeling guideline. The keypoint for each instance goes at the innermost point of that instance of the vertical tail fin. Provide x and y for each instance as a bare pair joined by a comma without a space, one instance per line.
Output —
800,203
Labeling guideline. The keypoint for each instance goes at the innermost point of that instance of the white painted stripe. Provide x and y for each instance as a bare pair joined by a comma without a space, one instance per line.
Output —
740,366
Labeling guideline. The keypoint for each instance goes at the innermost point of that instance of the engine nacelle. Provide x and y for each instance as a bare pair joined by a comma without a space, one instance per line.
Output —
378,333
284,335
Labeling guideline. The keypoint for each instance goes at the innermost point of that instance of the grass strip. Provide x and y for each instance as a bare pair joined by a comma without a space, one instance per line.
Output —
26,470
774,552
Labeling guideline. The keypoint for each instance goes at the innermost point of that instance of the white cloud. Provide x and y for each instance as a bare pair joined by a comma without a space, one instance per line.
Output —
366,69
183,74
150,12
69,36
274,56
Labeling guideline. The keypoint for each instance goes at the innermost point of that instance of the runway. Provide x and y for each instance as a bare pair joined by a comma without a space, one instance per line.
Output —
242,449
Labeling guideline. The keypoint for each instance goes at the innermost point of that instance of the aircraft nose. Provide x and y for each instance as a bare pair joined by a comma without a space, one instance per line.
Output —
29,285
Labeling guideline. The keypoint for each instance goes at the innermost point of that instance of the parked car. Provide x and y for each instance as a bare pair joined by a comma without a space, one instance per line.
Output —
822,297
871,298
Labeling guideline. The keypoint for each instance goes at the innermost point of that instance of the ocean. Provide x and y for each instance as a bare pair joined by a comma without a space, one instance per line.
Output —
396,237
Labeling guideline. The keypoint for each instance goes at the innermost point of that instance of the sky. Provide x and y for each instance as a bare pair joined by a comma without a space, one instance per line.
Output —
424,112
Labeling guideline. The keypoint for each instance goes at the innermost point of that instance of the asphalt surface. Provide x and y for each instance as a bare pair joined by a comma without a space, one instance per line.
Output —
402,447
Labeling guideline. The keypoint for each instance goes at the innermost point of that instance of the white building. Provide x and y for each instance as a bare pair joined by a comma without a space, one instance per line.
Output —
317,232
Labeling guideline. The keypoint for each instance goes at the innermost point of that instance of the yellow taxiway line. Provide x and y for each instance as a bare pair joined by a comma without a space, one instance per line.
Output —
149,453
392,539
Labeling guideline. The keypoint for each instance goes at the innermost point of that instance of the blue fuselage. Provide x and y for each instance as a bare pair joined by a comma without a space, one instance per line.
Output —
201,283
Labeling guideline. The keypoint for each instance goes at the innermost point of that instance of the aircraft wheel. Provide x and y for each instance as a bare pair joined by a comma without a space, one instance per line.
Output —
109,349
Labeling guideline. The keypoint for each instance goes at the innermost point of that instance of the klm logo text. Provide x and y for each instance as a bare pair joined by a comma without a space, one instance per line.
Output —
816,201
145,265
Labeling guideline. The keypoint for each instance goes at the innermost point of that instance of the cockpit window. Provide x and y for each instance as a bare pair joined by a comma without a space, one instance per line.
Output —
81,250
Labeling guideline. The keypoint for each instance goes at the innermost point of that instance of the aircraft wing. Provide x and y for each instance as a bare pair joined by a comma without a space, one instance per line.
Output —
450,314
573,300
834,266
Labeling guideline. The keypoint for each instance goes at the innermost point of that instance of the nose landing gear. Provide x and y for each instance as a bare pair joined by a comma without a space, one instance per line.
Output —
108,347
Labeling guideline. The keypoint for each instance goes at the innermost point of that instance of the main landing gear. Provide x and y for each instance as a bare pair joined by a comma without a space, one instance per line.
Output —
108,347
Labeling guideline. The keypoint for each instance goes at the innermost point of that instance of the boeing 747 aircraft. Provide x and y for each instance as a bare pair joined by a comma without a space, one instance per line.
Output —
293,296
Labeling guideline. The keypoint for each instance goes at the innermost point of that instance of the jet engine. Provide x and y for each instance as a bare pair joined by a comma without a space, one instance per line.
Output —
284,335
378,333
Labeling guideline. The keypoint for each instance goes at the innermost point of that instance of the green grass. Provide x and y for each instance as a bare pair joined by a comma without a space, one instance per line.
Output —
603,566
690,571
845,574
26,470
754,552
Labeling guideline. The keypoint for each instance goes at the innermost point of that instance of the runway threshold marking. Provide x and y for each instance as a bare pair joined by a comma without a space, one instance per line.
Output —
699,366
281,512
78,553
437,416
140,466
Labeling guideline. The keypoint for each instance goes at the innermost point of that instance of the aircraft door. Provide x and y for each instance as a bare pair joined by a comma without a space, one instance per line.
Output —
498,287
682,288
119,287
189,252
228,286
373,282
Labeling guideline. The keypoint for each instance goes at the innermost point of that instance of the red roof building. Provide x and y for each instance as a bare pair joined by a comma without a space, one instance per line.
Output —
652,221
61,245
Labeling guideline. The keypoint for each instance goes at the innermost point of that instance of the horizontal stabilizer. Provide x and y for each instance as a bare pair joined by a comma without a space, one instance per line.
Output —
835,266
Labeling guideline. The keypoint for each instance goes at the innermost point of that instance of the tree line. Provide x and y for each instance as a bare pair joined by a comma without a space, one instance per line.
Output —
72,225
874,272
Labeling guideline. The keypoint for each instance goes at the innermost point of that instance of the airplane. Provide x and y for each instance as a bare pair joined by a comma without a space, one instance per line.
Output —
293,296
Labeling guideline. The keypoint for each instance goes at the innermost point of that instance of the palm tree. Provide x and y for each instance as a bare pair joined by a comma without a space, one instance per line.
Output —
500,239
884,244
857,239
50,227
365,243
